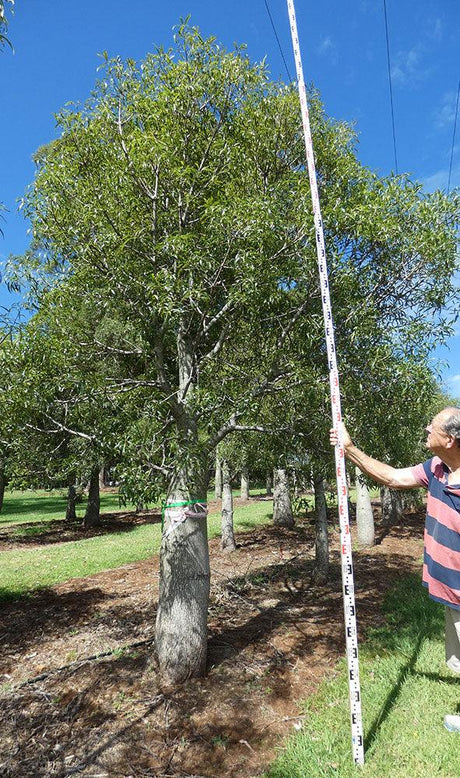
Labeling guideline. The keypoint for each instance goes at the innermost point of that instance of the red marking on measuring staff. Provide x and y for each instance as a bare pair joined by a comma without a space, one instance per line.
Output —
342,491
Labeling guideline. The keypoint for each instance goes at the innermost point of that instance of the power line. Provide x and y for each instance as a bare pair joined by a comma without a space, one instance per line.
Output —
390,85
278,41
453,139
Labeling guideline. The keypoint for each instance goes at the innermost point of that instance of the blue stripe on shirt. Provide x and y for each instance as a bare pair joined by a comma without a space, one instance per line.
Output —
443,574
443,535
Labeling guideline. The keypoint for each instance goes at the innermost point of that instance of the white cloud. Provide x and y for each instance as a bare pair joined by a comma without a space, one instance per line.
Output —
452,384
404,66
328,48
439,179
445,115
407,67
436,29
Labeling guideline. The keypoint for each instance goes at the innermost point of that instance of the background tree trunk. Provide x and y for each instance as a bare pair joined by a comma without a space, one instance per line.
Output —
71,512
282,509
245,483
102,477
228,537
364,512
218,480
269,484
92,516
392,506
321,533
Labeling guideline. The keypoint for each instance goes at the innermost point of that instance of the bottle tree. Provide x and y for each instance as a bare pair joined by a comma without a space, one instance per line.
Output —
178,194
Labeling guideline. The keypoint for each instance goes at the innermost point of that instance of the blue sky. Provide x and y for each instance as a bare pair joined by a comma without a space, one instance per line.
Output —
344,54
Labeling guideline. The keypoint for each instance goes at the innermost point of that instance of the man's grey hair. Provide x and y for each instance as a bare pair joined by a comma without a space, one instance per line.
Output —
451,424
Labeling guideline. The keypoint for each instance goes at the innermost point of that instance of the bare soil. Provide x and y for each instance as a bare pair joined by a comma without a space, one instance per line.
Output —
79,691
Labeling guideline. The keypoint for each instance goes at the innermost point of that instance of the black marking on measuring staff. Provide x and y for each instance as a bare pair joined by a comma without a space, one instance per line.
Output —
342,490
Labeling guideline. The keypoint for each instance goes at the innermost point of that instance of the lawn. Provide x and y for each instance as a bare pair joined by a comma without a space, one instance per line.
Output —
28,569
406,691
44,506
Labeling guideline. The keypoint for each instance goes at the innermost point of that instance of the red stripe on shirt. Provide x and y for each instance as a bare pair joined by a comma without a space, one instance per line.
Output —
442,554
419,474
447,516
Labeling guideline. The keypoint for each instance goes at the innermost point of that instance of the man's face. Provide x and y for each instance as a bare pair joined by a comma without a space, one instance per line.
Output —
437,439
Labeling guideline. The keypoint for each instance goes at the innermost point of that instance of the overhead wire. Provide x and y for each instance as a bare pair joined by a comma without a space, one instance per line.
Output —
278,42
453,140
390,84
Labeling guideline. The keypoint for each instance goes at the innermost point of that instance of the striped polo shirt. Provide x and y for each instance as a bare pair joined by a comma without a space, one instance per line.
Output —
441,558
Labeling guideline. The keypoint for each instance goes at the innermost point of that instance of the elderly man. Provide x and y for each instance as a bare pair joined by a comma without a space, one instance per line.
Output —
440,476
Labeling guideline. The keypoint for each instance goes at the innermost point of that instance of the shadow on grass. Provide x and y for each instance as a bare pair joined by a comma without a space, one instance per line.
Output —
393,695
36,505
62,531
412,618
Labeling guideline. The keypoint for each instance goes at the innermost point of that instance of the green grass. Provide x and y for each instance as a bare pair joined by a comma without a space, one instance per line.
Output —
26,570
39,506
406,691
30,506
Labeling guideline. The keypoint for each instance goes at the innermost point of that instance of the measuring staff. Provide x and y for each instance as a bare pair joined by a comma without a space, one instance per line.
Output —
342,490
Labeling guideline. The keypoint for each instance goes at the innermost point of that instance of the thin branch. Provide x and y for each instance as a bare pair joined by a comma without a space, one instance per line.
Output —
139,181
217,346
61,428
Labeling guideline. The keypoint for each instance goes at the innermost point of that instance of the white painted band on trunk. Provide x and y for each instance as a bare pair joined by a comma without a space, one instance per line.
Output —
176,513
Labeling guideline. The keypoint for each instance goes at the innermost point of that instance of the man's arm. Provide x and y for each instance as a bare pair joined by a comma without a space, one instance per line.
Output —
395,478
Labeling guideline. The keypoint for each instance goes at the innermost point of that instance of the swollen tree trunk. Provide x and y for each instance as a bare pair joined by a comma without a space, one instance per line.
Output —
181,625
282,509
228,537
218,480
364,513
392,506
269,484
245,483
92,517
321,533
71,512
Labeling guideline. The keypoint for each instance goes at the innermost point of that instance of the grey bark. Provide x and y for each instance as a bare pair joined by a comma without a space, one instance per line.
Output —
269,484
92,517
71,512
218,480
245,483
181,625
282,509
321,533
392,506
364,513
228,536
